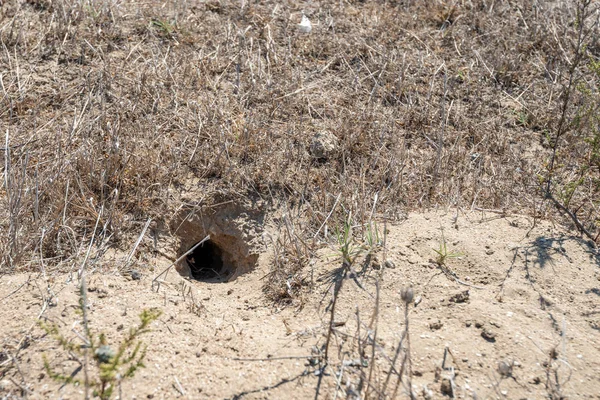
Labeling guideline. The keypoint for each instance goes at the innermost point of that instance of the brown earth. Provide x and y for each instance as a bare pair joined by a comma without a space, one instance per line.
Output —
529,297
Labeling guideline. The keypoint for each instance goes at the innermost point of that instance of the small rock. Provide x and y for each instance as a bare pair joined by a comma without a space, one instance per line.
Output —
505,369
418,300
488,335
389,264
323,145
478,324
461,297
136,275
446,388
434,326
489,252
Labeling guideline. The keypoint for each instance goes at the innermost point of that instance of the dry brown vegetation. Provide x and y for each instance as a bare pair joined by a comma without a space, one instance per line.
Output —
119,105
111,111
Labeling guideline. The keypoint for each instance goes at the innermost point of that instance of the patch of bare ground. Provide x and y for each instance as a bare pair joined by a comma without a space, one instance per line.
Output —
279,170
523,324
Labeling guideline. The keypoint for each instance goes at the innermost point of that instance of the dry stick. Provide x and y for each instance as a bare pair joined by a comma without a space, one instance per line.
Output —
336,290
138,241
179,387
374,320
328,216
156,282
360,348
272,358
83,300
393,362
406,361
292,236
338,384
440,143
6,163
87,254
573,217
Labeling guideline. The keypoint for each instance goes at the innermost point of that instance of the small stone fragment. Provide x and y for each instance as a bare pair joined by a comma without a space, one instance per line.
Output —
461,297
505,369
446,388
136,275
434,326
488,335
418,300
389,264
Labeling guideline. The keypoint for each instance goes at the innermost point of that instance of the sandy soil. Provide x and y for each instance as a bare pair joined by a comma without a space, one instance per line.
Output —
533,303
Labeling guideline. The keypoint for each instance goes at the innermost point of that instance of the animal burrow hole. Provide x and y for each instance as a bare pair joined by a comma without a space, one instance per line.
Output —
209,262
224,241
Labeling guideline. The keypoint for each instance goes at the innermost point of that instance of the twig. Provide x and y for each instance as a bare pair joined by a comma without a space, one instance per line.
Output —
138,241
328,216
87,254
179,388
155,280
273,358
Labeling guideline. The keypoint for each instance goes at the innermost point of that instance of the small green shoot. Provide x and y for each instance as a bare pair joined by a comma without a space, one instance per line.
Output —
347,247
164,27
372,238
442,252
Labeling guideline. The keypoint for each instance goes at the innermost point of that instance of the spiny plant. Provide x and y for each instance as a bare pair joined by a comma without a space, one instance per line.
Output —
112,366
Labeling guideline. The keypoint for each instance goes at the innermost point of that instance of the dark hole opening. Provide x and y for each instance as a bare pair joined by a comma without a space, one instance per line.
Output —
206,262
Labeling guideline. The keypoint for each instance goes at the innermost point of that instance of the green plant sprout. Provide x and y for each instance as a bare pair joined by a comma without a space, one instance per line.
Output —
442,252
165,27
372,237
347,248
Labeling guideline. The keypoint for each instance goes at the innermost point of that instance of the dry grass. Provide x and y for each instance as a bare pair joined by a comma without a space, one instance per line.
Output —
120,107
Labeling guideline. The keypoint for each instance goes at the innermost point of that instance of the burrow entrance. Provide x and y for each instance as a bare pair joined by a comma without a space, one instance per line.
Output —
206,262
232,246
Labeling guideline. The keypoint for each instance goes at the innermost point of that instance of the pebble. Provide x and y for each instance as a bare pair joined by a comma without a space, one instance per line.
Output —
488,335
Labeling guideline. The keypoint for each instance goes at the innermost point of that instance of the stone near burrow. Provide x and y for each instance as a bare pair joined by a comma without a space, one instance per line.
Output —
323,145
